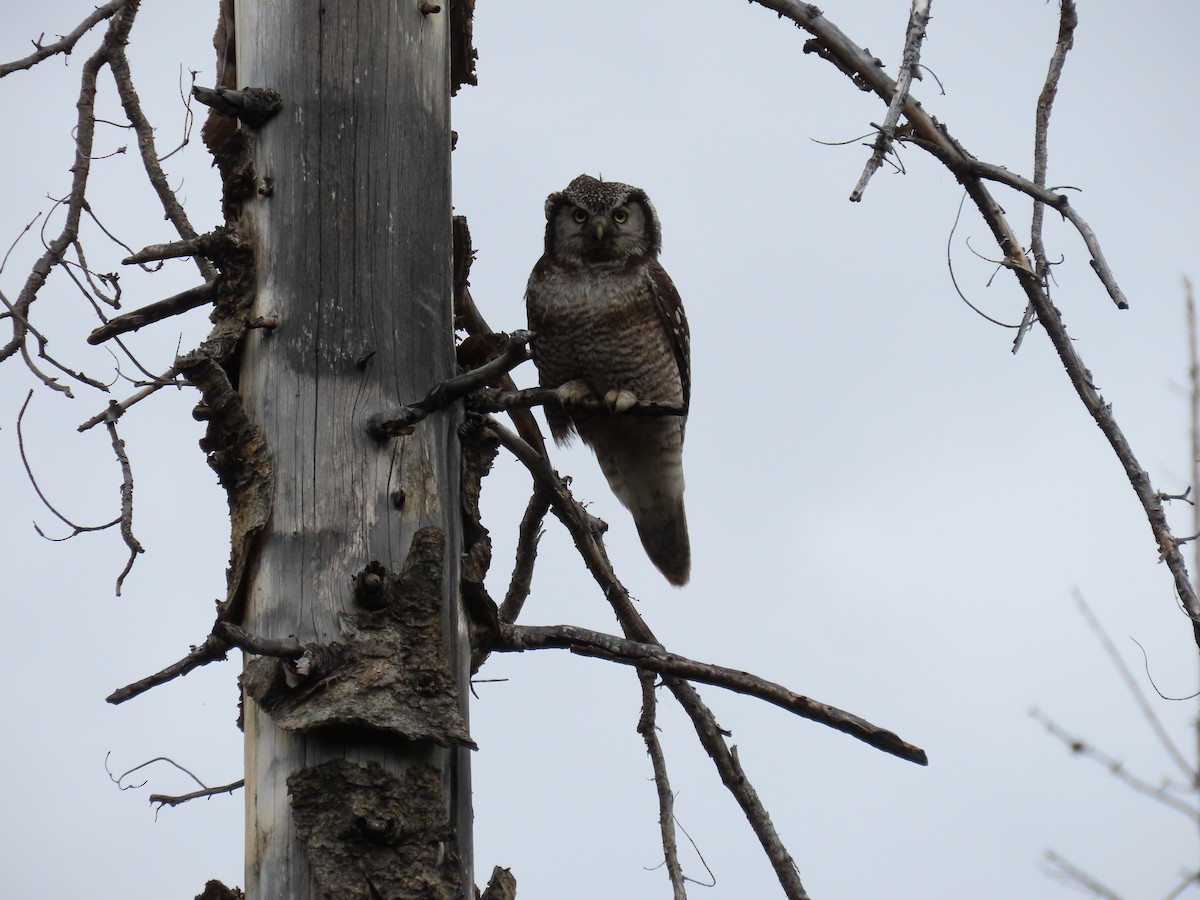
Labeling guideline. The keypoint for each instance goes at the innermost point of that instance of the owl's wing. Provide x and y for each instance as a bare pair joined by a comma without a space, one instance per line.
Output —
548,348
669,308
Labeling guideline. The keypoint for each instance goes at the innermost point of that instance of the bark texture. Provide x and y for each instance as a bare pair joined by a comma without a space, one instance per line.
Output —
350,224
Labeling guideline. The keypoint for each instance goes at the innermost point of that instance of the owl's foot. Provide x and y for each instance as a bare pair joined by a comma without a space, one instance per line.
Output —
572,392
620,401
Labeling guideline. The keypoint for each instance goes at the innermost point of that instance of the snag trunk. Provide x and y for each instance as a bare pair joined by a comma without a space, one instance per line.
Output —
351,226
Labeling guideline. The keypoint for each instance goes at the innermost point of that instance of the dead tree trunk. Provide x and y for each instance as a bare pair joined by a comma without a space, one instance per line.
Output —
356,786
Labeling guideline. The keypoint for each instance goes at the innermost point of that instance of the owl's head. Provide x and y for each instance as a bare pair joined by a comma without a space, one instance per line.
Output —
600,221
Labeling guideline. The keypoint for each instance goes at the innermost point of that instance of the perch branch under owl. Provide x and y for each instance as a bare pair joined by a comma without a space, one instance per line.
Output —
400,421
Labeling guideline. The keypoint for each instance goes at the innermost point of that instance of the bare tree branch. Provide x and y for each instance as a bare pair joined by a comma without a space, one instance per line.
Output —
118,779
910,60
586,534
1066,870
1082,748
168,799
126,520
1068,19
118,31
1156,725
1192,878
831,44
116,409
527,542
154,312
652,656
211,650
66,43
175,800
648,729
119,63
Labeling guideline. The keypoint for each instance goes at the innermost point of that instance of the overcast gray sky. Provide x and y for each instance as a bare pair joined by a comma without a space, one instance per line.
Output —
889,511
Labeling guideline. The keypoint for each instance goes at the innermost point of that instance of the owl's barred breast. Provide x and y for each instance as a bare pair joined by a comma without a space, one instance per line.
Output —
599,324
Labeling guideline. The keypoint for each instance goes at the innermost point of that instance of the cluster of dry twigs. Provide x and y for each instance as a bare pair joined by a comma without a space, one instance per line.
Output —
64,252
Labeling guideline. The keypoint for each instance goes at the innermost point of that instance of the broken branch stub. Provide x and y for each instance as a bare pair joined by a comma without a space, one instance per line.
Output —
388,673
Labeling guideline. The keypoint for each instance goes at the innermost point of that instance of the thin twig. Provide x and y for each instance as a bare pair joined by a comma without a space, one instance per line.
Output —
950,268
75,529
1066,870
118,445
175,800
1068,19
910,59
1135,689
1116,768
174,250
172,208
1194,434
527,543
189,118
85,127
648,728
116,409
1192,878
13,246
117,779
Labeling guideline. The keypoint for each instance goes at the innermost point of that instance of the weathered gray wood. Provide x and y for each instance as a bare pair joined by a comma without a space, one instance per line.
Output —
353,235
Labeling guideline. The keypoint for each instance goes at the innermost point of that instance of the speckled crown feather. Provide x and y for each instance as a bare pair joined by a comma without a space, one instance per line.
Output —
599,196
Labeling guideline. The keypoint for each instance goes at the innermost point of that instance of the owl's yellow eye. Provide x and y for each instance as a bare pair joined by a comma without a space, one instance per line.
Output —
620,216
579,216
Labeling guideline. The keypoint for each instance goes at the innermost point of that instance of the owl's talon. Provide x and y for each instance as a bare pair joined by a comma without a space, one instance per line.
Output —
572,392
620,401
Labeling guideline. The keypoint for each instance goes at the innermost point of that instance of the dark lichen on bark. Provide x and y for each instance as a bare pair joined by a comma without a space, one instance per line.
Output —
371,833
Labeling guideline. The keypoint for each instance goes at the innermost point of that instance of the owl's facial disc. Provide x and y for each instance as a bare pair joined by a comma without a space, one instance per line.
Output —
612,233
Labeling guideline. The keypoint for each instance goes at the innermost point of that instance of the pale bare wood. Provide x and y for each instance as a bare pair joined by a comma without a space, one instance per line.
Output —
352,226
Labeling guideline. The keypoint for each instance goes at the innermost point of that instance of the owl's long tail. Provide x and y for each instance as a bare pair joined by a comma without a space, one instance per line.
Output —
643,462
664,535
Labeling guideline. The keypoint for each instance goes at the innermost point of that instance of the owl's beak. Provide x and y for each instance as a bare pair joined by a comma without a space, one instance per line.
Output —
599,231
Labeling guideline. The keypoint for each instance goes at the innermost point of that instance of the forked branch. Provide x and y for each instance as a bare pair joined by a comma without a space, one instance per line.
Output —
586,532
831,44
